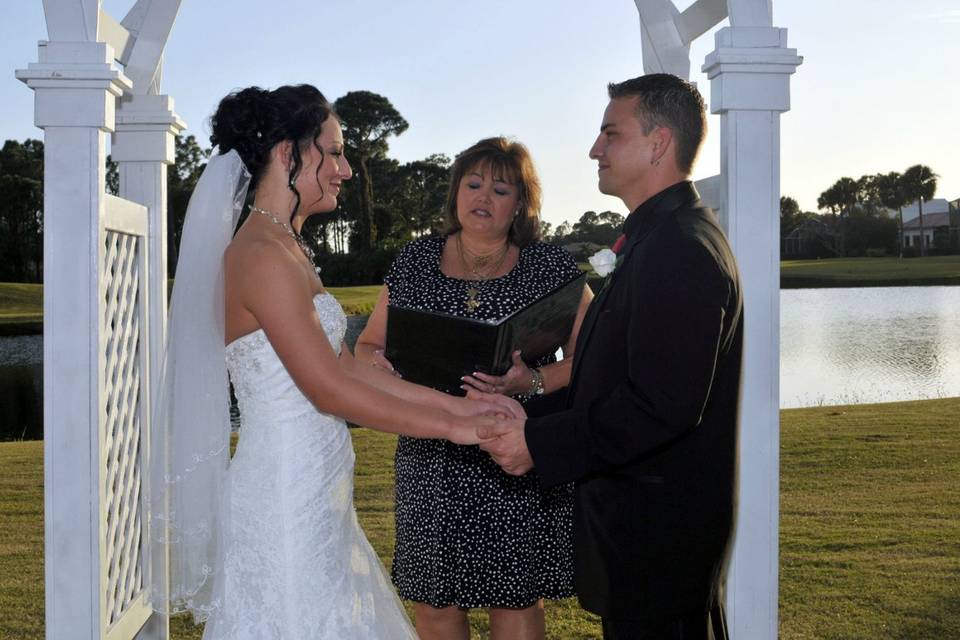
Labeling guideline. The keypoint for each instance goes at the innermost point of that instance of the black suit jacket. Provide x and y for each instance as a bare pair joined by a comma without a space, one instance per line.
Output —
648,425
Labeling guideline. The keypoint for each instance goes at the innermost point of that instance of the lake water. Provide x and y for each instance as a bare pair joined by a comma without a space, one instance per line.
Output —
837,346
856,346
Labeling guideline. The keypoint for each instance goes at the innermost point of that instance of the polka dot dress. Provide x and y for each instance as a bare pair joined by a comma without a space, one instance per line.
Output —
467,533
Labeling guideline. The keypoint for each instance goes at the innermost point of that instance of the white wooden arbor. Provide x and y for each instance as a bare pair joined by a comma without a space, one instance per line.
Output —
104,307
105,289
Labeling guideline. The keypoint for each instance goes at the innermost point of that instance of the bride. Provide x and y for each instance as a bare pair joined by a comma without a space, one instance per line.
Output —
267,545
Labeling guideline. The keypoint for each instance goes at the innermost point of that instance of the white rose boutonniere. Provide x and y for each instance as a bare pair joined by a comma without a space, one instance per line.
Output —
603,262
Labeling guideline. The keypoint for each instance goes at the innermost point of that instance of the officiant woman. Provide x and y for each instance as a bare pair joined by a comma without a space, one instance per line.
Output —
468,535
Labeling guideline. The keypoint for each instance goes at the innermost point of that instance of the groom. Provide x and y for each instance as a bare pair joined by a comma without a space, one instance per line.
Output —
647,428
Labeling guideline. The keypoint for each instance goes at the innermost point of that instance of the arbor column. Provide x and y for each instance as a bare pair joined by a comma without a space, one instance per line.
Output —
76,86
749,75
143,146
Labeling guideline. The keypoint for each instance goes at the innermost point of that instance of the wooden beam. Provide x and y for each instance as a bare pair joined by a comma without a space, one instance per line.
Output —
700,17
150,21
72,20
115,35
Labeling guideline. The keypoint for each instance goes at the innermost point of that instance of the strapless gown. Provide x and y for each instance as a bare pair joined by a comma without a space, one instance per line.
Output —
296,563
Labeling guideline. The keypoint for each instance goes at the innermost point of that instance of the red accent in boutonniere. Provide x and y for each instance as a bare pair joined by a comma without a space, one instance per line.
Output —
618,244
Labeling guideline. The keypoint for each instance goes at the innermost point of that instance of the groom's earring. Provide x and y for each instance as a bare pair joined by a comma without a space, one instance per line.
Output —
290,184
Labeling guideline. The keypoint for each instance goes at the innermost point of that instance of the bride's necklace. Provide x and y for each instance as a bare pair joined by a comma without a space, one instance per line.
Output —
481,269
307,251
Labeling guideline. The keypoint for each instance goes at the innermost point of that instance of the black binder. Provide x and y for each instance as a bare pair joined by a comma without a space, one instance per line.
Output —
436,349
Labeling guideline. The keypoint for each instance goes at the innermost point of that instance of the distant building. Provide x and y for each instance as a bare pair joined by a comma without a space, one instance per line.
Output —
941,224
936,205
812,238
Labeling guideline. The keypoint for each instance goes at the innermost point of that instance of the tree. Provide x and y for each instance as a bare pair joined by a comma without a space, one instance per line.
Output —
426,183
21,211
789,210
587,224
182,176
612,219
920,183
840,199
546,229
891,189
113,177
368,121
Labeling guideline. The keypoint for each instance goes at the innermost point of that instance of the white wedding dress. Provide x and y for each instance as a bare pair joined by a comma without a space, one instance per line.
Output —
297,565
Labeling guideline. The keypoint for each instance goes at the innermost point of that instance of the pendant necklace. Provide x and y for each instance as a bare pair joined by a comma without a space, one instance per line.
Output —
480,270
307,251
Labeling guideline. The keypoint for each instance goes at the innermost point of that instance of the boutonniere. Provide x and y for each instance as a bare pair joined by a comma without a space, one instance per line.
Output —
606,261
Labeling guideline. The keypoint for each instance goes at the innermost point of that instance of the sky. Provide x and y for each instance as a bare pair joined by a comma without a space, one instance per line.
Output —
876,92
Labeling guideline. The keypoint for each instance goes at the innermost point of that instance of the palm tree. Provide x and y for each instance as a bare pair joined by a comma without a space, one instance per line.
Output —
891,188
920,184
841,198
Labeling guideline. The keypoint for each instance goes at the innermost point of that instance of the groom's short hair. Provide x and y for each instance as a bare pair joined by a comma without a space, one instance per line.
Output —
665,100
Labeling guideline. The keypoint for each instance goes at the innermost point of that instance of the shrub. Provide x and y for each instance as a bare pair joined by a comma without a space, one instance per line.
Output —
356,268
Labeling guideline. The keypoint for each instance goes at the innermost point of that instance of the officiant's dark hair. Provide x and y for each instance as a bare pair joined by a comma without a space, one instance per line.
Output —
508,160
253,120
666,100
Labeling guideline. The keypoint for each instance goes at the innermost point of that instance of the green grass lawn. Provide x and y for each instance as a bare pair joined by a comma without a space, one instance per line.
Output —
23,303
858,272
20,302
870,526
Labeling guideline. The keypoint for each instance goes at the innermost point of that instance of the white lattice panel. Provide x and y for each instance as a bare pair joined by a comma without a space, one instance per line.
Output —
122,393
125,414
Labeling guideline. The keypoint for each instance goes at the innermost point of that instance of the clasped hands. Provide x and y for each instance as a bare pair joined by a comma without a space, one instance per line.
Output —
504,439
501,433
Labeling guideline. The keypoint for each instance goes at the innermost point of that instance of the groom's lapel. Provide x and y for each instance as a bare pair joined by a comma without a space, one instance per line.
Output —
650,221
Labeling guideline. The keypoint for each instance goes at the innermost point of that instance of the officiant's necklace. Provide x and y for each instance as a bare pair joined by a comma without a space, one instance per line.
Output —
307,251
482,268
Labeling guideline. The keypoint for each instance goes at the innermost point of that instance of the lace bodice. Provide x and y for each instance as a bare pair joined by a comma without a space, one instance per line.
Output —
259,379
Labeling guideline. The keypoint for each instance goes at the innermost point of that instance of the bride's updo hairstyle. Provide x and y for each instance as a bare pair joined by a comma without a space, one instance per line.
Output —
252,121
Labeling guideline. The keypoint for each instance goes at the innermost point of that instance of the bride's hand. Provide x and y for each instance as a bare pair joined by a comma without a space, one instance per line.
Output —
504,404
463,430
485,404
379,360
518,379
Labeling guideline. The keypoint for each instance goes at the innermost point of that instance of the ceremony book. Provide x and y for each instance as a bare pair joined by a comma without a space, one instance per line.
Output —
436,349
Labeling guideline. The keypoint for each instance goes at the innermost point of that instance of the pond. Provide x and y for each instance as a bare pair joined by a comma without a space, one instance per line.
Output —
837,346
857,346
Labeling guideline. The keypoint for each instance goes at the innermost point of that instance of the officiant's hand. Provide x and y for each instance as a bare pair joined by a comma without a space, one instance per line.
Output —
518,379
506,444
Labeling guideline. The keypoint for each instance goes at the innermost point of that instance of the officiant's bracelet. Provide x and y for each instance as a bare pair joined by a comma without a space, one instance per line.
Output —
536,384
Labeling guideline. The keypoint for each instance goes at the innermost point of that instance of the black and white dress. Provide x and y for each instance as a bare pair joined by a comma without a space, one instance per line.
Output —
467,533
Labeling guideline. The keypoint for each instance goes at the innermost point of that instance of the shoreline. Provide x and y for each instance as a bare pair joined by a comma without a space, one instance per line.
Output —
811,282
18,318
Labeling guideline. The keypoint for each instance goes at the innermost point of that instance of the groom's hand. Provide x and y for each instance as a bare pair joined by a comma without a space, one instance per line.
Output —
506,444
